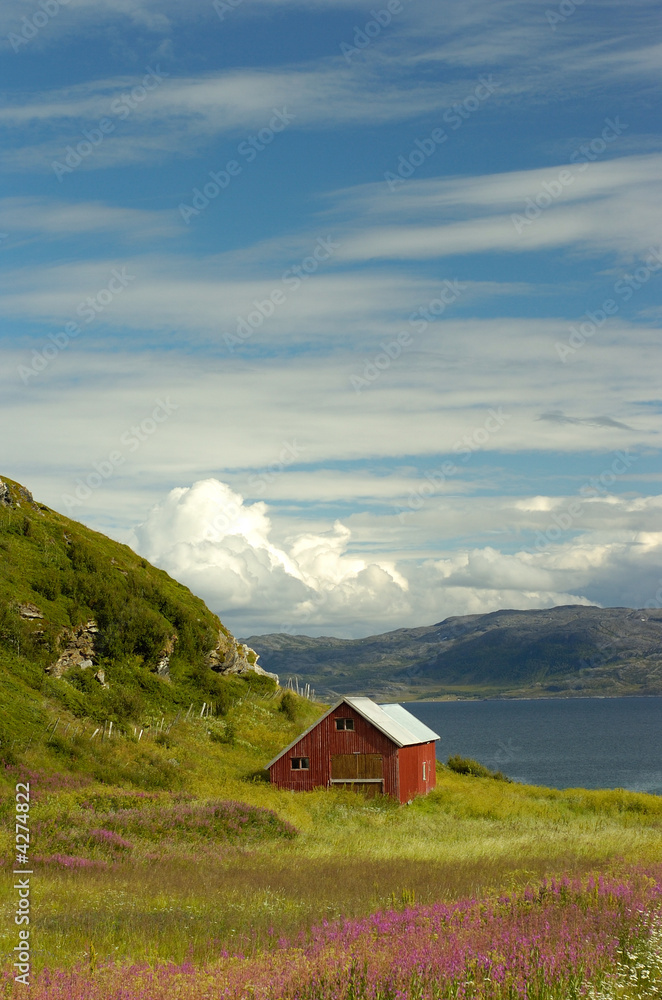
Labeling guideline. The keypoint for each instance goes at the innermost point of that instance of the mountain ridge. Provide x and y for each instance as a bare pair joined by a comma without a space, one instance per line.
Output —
567,651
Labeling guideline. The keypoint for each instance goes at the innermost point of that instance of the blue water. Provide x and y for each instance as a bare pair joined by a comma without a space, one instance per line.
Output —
578,742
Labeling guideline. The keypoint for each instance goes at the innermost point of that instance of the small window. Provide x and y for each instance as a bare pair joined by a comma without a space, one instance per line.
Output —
344,724
425,771
300,763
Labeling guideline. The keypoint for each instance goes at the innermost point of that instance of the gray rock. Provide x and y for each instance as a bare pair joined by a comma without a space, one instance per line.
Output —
29,611
77,645
232,657
5,495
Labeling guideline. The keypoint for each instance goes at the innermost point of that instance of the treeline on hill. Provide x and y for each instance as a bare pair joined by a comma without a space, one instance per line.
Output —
73,575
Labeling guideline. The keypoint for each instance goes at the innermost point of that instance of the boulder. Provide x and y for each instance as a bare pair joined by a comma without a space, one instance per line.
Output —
232,657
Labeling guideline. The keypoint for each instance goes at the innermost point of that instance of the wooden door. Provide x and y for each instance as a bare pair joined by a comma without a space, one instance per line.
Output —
362,772
356,765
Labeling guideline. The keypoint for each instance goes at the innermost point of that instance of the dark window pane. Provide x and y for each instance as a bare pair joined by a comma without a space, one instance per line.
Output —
349,723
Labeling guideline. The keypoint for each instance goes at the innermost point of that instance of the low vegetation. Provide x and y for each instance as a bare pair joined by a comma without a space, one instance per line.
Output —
549,943
219,861
466,765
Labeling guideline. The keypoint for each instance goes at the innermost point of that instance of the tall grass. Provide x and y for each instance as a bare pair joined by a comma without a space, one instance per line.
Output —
142,873
547,942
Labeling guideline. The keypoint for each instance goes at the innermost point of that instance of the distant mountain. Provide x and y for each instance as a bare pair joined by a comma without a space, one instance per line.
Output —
568,651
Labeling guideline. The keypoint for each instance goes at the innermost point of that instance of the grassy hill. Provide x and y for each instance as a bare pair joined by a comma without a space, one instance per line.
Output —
565,651
92,631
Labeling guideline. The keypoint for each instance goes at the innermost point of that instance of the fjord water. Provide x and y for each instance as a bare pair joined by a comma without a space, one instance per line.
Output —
568,743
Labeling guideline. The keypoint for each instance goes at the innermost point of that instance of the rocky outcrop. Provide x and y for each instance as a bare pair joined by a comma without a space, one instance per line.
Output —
232,657
77,651
5,495
15,496
29,611
163,664
26,496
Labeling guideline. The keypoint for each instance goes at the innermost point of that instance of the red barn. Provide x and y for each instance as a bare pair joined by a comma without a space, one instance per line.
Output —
374,749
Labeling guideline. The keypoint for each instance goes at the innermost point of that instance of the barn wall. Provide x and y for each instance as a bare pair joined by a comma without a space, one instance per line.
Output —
324,741
411,770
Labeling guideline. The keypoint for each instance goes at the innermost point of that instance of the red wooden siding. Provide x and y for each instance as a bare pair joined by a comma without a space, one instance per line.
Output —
411,770
402,768
323,741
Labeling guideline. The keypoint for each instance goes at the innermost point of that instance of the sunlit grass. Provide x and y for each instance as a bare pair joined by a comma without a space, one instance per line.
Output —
183,891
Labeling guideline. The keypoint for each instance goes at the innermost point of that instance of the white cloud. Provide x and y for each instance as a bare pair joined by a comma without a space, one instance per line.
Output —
50,218
208,537
223,548
611,205
179,114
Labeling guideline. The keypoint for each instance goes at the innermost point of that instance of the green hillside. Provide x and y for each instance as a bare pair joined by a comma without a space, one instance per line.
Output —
90,630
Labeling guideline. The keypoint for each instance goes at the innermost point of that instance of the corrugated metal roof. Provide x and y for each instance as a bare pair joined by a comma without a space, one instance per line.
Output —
395,730
417,728
398,724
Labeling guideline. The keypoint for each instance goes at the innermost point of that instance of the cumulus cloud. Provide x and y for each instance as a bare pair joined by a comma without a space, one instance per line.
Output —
222,547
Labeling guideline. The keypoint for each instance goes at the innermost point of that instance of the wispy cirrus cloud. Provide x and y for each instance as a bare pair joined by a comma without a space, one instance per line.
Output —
50,218
613,206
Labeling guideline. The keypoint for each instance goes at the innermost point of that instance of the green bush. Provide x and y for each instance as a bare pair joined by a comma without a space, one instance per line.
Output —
466,765
289,706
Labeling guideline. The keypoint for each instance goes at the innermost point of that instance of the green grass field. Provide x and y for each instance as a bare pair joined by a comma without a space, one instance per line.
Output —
135,869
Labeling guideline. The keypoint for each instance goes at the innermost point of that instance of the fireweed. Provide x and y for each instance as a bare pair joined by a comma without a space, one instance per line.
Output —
110,835
563,939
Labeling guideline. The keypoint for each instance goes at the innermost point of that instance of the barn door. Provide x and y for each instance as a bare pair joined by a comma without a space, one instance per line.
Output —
353,766
361,772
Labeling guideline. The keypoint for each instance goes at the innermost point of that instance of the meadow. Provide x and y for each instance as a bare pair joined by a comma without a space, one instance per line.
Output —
189,875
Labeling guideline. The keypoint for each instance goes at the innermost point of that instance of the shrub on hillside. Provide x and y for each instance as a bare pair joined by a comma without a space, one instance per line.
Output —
289,706
466,765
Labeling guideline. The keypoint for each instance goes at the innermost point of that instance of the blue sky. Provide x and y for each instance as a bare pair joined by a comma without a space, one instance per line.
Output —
346,315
